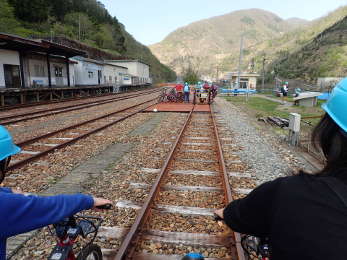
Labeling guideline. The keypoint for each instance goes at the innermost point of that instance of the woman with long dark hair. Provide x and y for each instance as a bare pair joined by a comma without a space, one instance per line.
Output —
304,216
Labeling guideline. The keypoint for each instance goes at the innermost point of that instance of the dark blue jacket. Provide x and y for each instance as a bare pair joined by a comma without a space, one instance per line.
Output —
20,214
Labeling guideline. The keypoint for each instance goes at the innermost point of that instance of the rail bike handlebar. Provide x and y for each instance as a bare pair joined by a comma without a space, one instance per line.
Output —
253,246
70,229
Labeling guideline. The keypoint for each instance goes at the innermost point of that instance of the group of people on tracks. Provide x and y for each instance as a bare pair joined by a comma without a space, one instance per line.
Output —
304,216
199,88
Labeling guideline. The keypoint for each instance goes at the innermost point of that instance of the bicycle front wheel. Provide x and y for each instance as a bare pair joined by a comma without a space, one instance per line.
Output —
91,252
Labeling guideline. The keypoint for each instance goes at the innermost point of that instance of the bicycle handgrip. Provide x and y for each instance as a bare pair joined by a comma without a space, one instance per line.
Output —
105,206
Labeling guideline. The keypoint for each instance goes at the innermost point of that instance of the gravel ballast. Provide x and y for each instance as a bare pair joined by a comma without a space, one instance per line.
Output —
265,160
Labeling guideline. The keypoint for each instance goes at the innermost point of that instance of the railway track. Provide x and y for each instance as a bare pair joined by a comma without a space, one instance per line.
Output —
43,103
177,216
37,147
15,118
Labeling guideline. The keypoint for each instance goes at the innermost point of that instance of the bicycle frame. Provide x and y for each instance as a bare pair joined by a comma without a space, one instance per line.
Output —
68,231
256,247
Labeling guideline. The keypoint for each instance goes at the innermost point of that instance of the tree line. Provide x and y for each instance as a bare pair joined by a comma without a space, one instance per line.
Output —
87,21
35,11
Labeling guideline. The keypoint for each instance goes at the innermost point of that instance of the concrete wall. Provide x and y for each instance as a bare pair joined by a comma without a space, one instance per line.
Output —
252,83
120,73
32,76
114,74
135,68
86,73
7,57
328,82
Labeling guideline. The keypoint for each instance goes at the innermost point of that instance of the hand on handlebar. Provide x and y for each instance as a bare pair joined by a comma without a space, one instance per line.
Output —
219,213
100,203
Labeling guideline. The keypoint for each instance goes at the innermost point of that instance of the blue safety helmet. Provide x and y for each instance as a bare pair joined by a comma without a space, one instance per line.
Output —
336,106
7,147
193,256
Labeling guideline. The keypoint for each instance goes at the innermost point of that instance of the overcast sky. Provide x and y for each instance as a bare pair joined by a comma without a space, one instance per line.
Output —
150,21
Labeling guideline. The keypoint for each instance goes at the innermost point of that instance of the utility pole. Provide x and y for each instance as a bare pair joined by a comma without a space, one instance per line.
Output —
263,83
240,66
217,74
79,27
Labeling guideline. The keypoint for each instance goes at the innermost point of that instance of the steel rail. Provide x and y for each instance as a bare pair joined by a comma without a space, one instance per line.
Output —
59,110
144,212
32,140
226,185
62,145
128,245
60,101
11,107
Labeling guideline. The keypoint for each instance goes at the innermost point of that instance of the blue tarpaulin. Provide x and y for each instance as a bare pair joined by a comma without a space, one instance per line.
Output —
237,91
324,96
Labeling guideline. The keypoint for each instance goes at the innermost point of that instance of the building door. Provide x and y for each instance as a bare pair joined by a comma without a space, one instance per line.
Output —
244,83
99,77
58,72
12,76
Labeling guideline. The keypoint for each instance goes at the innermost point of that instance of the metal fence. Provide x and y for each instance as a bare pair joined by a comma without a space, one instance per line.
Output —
305,141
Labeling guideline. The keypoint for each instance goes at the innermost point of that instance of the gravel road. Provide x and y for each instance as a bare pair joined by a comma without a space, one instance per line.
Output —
263,154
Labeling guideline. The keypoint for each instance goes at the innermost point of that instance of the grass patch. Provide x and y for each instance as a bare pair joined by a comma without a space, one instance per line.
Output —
261,106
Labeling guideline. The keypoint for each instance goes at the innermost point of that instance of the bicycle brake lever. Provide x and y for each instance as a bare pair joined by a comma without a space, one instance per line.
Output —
105,206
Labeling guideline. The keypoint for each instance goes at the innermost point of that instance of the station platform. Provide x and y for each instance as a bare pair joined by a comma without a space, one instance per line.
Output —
12,97
178,107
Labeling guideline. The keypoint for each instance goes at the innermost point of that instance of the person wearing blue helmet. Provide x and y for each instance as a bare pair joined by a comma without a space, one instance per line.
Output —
304,216
186,90
22,213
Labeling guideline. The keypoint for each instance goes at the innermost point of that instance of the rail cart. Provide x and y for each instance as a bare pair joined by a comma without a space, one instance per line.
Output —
202,96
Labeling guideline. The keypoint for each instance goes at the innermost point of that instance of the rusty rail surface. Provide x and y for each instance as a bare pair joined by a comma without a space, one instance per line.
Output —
73,140
144,212
227,189
59,110
18,106
128,246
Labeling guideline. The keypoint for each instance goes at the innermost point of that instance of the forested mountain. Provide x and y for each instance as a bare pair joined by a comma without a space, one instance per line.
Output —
87,21
324,56
317,50
215,42
292,48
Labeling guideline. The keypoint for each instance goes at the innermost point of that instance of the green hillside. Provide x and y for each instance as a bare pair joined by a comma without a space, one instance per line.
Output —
292,54
321,52
216,41
291,47
86,21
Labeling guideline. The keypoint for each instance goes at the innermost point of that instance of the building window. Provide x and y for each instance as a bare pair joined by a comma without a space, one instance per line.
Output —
110,79
58,71
39,70
90,74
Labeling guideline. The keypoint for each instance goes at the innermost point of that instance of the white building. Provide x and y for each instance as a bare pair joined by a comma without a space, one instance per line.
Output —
10,75
136,68
88,72
247,80
28,63
35,67
113,74
94,72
